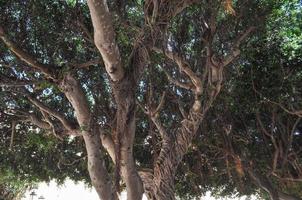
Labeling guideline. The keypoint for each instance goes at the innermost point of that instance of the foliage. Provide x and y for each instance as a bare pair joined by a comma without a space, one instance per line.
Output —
261,93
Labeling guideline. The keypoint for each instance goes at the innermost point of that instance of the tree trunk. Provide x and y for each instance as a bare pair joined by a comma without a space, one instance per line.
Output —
96,166
171,154
124,92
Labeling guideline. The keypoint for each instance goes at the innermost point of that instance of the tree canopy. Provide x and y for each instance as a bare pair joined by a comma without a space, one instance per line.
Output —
163,97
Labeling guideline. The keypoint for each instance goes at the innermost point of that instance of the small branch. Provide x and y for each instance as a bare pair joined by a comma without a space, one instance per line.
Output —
297,112
145,110
287,179
235,52
160,105
86,31
17,83
11,144
178,83
183,66
161,129
38,122
290,140
182,111
108,144
154,116
87,64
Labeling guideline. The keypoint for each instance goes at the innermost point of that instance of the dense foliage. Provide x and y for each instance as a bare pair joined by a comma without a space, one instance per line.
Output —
250,137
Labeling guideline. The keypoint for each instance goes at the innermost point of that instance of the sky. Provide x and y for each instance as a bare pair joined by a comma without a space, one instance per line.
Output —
80,191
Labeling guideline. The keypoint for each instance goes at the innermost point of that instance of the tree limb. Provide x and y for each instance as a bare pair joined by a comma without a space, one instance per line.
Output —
87,64
67,124
183,66
11,144
104,38
235,52
178,83
47,70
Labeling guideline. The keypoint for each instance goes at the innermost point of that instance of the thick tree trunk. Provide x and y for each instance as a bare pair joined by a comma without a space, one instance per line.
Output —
124,93
124,90
164,173
171,155
96,166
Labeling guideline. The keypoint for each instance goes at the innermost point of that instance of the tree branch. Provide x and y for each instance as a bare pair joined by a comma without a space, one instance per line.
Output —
38,122
235,52
183,66
67,124
87,64
11,144
104,38
178,83
108,144
47,70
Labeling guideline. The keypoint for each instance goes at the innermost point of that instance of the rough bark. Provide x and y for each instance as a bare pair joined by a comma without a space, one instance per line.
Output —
171,155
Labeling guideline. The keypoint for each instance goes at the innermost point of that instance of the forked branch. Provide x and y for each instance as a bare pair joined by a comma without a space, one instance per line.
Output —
67,124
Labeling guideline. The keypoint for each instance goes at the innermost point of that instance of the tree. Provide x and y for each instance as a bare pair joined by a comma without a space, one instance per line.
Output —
257,140
76,84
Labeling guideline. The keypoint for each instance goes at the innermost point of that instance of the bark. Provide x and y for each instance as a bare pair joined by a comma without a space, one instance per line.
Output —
124,93
124,89
170,156
175,147
96,166
104,38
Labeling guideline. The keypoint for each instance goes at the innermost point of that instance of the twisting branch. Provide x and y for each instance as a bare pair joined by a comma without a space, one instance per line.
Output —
153,114
178,83
47,70
40,123
183,67
104,38
160,105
